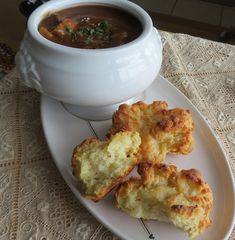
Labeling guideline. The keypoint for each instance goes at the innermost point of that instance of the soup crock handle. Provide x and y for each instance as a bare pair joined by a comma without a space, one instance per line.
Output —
28,6
26,65
24,62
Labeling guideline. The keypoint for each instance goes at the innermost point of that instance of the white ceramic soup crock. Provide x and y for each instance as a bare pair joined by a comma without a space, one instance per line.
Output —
90,82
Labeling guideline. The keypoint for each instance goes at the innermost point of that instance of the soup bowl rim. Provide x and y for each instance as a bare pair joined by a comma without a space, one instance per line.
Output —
57,5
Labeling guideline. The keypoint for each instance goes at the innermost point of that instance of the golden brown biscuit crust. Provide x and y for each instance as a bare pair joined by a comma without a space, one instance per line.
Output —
197,195
161,130
77,150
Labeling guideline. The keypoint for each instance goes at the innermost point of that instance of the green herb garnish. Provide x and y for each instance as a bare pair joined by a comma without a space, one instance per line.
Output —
103,24
73,34
89,40
100,31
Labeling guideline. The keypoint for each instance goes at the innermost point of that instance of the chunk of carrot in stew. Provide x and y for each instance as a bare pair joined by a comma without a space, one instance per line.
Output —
70,23
61,29
45,33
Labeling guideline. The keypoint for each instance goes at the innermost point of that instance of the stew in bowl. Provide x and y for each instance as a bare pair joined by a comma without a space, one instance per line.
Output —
90,27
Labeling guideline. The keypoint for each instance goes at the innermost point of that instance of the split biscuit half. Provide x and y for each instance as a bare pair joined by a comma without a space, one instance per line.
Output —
101,165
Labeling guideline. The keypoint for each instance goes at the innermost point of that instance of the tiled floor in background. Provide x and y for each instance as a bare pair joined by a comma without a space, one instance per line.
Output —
160,6
197,10
228,17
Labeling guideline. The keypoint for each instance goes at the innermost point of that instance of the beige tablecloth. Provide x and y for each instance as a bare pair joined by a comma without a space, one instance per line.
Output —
35,202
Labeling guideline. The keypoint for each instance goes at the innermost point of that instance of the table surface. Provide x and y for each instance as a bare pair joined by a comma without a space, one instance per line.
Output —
35,202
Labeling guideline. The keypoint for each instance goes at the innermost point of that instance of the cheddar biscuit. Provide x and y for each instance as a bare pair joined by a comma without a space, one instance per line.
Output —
100,165
162,131
162,193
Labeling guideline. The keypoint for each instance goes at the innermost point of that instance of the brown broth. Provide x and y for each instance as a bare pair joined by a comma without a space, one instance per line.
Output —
91,27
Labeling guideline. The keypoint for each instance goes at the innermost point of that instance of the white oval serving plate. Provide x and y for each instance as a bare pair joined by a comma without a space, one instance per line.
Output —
63,131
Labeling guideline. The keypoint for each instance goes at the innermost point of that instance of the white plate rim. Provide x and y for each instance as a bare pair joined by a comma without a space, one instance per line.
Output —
100,218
